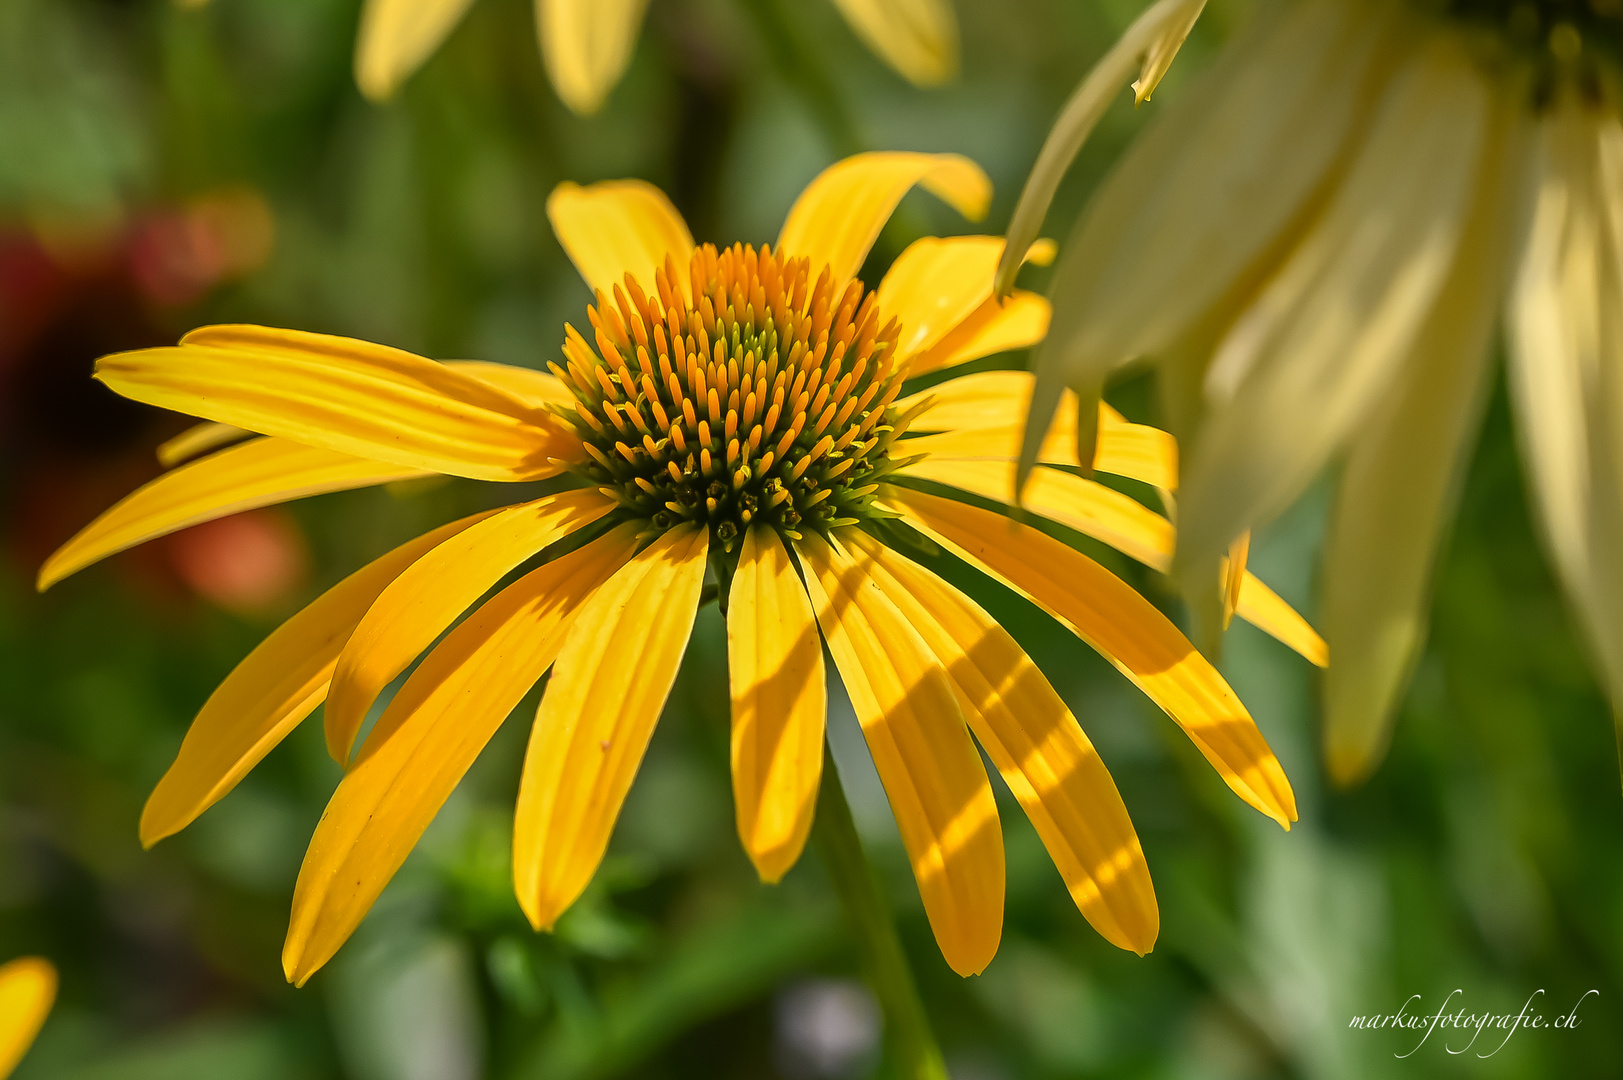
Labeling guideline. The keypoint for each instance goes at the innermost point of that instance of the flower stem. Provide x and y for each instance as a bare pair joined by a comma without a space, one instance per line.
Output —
907,1027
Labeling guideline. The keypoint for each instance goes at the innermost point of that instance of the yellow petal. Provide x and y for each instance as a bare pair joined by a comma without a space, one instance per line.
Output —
270,692
427,738
1263,608
996,326
919,38
396,36
1125,628
837,218
27,989
597,716
1083,505
198,440
537,389
938,285
780,703
1037,745
257,473
586,46
933,777
619,227
427,596
345,395
1300,372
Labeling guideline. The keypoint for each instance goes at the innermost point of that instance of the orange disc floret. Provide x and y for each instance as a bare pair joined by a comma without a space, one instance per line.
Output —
752,394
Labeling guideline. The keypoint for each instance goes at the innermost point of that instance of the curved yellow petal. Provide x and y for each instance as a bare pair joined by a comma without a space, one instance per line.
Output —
198,440
935,284
257,473
597,716
274,688
837,218
780,703
619,227
1038,747
1234,574
1018,322
27,990
345,395
586,46
396,37
427,738
1083,505
914,726
428,595
1125,628
984,415
919,38
537,389
1263,608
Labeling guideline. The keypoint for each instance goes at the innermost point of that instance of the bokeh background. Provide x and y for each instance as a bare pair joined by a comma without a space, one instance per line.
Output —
165,166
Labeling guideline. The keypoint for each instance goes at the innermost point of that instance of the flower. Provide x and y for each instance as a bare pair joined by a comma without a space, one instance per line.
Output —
1314,246
736,411
27,989
586,44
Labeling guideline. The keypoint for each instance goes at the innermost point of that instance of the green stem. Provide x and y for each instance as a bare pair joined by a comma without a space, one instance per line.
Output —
906,1025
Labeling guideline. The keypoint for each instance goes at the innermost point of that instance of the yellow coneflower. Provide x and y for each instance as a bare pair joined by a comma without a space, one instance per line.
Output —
732,414
1313,247
27,989
586,44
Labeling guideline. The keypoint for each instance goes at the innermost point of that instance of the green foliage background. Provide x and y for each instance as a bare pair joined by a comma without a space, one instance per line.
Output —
1484,855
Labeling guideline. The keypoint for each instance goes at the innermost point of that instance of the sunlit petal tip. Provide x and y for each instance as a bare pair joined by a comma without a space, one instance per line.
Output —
1042,252
396,37
28,987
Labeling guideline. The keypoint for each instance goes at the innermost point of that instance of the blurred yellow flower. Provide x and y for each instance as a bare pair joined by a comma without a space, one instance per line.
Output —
586,44
27,989
1314,246
735,411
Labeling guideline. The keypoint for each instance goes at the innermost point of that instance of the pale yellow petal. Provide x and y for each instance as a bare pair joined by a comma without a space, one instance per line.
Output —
1037,745
919,38
837,218
257,473
938,285
1148,45
1401,483
1197,206
780,703
427,596
27,989
396,37
346,395
586,46
267,695
426,740
619,227
596,718
198,440
1125,628
1301,370
914,726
